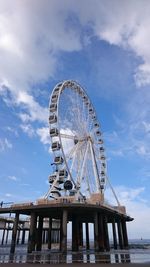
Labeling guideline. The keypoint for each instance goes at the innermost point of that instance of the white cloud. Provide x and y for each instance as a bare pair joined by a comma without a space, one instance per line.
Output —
28,129
5,144
121,24
8,195
25,184
12,130
136,206
43,133
13,178
30,38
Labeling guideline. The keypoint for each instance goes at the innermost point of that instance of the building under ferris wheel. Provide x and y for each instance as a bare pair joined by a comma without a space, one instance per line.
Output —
78,182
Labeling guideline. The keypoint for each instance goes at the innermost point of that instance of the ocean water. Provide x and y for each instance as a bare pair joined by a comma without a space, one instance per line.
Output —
139,252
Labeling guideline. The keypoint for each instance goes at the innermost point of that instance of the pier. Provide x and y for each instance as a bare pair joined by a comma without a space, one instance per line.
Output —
48,217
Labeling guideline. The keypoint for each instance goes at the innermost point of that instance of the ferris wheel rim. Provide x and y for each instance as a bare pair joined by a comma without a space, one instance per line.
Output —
62,87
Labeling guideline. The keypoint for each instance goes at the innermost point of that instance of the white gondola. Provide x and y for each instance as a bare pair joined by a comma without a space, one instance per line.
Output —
100,141
54,98
104,165
98,133
85,98
102,173
61,180
60,84
53,107
101,149
91,111
58,160
55,192
56,91
93,117
102,157
52,119
96,125
76,140
68,83
63,173
55,146
102,186
72,192
53,132
103,180
51,178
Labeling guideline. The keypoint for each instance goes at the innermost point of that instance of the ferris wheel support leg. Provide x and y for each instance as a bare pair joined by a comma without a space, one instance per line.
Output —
113,191
74,157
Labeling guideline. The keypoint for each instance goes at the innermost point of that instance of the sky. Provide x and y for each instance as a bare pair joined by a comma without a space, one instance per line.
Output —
103,45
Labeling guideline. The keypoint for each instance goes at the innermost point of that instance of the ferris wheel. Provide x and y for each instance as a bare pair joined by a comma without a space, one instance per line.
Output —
79,161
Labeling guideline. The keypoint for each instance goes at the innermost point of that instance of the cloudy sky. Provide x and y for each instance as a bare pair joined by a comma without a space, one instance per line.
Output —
102,44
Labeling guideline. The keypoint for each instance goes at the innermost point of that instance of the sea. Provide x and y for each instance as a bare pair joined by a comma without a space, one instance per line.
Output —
138,252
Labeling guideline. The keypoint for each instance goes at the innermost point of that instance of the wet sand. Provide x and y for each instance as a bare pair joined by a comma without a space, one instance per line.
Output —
76,265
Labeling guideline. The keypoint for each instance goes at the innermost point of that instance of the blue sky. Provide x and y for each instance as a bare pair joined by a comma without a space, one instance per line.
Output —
103,45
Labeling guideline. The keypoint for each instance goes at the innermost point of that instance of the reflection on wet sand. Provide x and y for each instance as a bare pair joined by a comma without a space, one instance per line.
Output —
70,257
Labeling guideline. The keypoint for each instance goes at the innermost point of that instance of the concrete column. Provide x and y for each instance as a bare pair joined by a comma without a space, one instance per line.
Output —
43,236
101,233
14,233
87,235
96,234
18,236
124,233
49,233
3,236
39,234
7,236
114,234
32,233
63,240
23,237
80,234
75,234
106,236
120,236
46,236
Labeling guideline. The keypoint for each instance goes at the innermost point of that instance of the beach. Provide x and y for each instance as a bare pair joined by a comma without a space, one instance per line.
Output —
77,264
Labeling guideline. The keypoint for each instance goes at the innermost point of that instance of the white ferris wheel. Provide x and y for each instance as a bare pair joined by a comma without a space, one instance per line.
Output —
77,144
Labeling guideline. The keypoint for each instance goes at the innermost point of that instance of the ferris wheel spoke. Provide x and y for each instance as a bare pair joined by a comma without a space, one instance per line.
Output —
67,136
83,165
74,158
87,175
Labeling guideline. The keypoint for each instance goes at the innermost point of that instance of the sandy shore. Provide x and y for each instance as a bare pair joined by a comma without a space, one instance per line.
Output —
76,264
